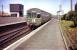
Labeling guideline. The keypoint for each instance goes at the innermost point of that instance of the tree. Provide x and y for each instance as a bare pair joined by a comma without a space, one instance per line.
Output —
64,16
70,14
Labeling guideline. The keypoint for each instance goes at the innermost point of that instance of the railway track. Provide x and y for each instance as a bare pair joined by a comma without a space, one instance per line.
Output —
10,35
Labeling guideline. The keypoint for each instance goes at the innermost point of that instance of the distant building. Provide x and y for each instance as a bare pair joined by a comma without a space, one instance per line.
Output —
16,10
4,14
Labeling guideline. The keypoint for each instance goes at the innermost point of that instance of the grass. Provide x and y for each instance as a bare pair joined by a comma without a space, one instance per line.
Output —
70,32
66,25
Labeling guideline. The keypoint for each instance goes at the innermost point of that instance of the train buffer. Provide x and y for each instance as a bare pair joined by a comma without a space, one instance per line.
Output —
46,37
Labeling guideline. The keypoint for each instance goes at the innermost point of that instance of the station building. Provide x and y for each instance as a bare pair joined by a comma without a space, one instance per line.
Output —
16,10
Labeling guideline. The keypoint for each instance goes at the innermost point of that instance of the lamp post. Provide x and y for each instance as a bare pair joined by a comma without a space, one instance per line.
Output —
58,14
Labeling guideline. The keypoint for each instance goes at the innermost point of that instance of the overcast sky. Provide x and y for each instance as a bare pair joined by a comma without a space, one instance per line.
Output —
51,6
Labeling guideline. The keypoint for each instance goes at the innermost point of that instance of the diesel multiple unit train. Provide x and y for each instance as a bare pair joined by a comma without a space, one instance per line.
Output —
36,17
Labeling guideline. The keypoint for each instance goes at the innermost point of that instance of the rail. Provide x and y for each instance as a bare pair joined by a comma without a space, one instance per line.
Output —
7,36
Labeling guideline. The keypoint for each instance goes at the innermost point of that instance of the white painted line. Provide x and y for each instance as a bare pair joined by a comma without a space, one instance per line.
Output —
25,38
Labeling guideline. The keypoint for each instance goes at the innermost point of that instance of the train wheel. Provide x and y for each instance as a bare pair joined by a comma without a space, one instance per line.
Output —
33,27
75,49
70,48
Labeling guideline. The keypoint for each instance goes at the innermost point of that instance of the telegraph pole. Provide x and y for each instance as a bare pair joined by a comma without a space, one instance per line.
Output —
71,5
2,10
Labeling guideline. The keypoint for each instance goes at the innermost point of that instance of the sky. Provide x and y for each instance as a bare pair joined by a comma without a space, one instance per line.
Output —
51,6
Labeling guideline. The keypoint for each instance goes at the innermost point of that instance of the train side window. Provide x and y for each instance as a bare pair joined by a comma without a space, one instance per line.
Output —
38,16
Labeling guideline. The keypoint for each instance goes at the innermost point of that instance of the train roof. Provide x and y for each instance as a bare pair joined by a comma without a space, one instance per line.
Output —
36,10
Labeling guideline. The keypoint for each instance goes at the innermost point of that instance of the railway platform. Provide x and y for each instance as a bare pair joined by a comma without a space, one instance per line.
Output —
46,37
4,21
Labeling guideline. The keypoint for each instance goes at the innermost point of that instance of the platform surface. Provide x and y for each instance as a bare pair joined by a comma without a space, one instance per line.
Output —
48,38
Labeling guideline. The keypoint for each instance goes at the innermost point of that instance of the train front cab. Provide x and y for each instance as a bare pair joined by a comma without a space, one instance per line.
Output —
34,19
